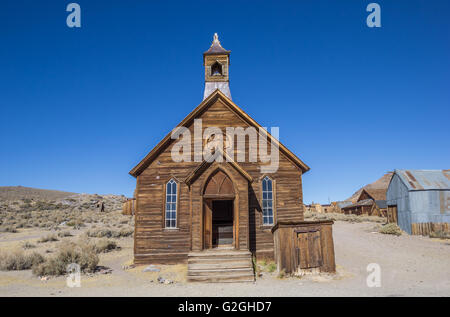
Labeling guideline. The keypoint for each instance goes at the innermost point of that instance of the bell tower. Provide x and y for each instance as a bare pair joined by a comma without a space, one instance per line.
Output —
216,61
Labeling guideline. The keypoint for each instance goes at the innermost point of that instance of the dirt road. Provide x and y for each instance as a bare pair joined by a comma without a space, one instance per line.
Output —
410,266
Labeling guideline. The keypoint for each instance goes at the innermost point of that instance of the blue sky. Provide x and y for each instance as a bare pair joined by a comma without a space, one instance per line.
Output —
80,107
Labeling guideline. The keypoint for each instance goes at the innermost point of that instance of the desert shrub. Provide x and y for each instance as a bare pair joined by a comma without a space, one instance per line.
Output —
271,267
48,238
440,234
63,234
108,233
80,253
19,261
75,223
28,245
282,274
104,245
8,228
391,228
124,232
100,233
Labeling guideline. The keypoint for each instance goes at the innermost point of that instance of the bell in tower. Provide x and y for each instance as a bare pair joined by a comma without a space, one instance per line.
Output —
216,61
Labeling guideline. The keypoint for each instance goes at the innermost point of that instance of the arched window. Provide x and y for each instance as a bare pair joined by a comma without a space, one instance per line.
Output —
267,201
171,204
216,69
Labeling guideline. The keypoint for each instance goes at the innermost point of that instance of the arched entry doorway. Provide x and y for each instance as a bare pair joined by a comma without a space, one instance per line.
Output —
219,212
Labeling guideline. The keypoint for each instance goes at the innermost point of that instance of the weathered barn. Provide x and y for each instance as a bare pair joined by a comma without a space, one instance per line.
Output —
339,205
204,212
419,200
371,202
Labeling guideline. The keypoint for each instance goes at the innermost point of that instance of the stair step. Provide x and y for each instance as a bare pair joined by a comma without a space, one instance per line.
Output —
220,265
223,279
223,266
225,261
219,253
220,272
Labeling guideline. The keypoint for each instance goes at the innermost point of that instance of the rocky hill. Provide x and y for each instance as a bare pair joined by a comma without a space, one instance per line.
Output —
18,198
20,192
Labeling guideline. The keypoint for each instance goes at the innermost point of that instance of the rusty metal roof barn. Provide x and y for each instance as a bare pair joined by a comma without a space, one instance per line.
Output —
419,200
425,179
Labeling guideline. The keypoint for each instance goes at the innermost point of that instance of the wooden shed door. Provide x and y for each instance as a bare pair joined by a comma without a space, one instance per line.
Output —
309,249
392,214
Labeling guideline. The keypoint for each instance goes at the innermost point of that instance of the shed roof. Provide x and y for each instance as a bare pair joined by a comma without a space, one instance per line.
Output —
365,202
425,179
342,204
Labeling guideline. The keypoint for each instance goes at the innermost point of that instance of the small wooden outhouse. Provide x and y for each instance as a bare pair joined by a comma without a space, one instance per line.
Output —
304,246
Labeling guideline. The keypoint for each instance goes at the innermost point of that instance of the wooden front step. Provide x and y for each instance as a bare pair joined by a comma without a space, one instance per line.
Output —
220,266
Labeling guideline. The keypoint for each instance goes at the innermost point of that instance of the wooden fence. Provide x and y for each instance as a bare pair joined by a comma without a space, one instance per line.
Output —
426,228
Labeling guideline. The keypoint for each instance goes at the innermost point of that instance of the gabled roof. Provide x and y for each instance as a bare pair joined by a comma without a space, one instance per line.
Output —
374,193
217,94
425,179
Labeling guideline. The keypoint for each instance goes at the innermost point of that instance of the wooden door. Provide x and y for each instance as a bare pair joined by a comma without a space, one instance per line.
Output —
207,225
309,250
392,214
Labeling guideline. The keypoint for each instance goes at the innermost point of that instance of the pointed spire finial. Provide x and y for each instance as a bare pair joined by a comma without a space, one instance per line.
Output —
216,47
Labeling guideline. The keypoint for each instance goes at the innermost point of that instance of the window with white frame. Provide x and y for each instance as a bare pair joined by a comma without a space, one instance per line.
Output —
267,201
171,204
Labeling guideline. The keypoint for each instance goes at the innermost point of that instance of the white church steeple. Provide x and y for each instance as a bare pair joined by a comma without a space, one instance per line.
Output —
216,61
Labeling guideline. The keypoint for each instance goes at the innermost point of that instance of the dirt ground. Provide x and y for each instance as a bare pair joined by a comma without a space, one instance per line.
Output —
410,266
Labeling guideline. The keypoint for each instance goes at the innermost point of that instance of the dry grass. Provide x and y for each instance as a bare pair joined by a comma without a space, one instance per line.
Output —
266,266
48,238
343,217
104,245
390,228
28,245
440,234
109,233
80,253
18,260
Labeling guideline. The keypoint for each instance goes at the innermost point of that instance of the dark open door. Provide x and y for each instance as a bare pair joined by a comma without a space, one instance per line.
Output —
222,223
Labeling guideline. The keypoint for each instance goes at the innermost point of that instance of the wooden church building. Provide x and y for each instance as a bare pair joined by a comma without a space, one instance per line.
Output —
192,209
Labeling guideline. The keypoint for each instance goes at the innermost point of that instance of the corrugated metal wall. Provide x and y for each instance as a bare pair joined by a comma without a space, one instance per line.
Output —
398,195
